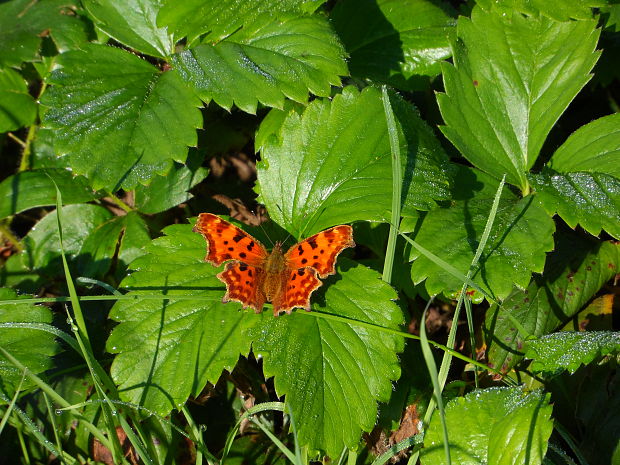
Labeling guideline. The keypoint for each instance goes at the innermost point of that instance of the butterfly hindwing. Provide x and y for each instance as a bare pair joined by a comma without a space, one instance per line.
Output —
242,285
321,250
298,287
226,241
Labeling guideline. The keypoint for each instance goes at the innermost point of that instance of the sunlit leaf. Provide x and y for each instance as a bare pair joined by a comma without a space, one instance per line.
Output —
265,62
512,78
502,426
400,42
568,350
121,119
31,347
332,164
574,272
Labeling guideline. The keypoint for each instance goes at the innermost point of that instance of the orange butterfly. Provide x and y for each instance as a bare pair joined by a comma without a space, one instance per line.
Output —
255,276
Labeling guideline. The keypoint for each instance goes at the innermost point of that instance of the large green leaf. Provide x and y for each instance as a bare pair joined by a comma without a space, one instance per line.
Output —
17,107
265,62
116,242
168,191
333,373
560,10
574,272
32,347
395,41
568,350
513,77
24,22
499,426
30,189
133,23
591,200
520,237
169,349
219,18
594,148
120,118
583,184
332,164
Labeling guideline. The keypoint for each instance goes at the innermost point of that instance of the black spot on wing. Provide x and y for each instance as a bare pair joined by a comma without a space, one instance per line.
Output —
242,254
238,237
243,267
312,243
304,261
300,249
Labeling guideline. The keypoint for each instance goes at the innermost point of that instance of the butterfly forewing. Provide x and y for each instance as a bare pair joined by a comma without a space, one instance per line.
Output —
226,241
321,250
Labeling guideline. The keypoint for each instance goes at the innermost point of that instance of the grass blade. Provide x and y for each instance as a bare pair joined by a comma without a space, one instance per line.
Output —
397,184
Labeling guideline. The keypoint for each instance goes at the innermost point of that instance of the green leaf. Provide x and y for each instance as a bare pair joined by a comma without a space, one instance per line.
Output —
502,426
22,23
118,238
594,148
568,350
520,237
32,347
591,200
560,10
265,62
329,167
574,272
132,23
219,18
168,191
30,189
583,184
120,118
332,373
397,42
169,349
42,242
17,107
513,77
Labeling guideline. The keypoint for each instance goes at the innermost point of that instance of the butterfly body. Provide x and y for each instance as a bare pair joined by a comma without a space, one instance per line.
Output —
254,276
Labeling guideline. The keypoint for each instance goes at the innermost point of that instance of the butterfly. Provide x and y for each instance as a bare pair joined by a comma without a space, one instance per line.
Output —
254,276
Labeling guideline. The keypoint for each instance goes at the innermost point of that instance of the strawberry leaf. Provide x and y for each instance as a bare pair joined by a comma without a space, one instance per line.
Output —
325,167
179,344
568,350
502,426
219,18
120,118
34,348
513,77
332,373
133,23
265,62
574,272
583,184
591,200
397,42
17,107
520,237
30,189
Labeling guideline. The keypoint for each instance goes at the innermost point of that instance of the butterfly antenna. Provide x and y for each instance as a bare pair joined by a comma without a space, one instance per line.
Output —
266,235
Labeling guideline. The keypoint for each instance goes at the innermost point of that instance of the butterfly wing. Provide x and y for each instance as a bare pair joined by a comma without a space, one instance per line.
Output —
321,250
243,285
226,241
299,284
